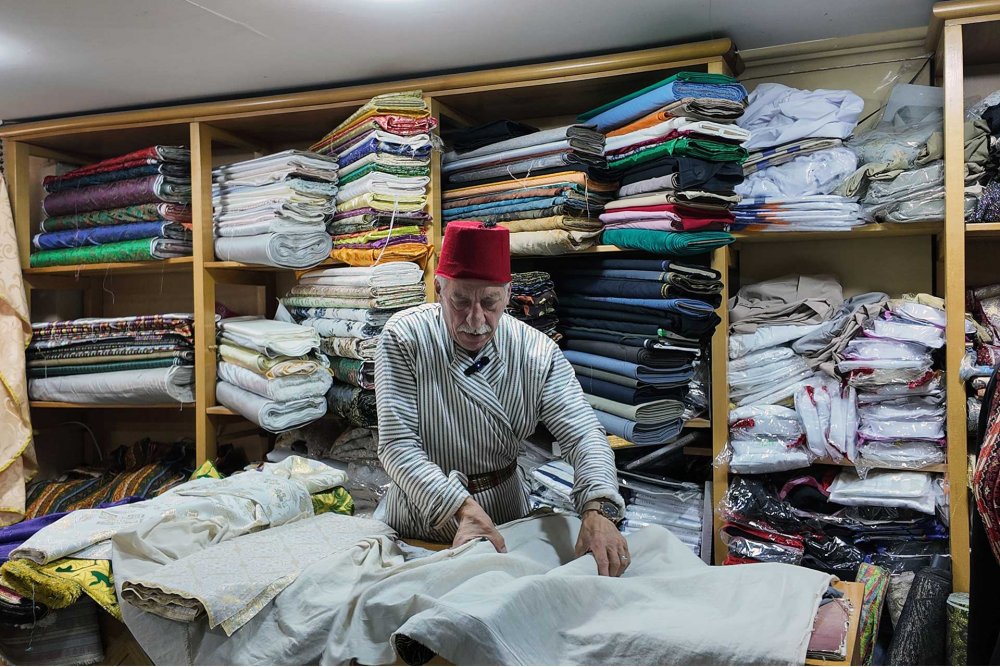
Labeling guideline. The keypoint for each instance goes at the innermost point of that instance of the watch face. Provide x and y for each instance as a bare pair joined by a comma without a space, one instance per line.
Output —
610,510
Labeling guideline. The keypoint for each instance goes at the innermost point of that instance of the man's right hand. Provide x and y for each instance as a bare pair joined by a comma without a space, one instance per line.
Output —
473,523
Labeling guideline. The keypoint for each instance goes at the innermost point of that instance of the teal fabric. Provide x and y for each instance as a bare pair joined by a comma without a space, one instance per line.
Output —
679,244
686,77
703,149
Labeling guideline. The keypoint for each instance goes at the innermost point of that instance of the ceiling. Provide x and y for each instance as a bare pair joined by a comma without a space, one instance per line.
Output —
63,57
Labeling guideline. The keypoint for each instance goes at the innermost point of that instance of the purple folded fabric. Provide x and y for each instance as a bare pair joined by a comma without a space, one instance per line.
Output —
11,537
145,190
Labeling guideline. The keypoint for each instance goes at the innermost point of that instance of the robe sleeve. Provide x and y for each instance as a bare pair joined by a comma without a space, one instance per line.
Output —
431,493
582,440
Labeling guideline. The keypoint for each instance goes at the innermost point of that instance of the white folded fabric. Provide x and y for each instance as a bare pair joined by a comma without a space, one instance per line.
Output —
388,184
139,387
909,490
273,416
271,168
270,337
286,388
270,224
287,251
390,274
703,127
751,457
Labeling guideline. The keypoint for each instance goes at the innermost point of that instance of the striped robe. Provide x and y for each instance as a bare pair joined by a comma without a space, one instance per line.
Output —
437,424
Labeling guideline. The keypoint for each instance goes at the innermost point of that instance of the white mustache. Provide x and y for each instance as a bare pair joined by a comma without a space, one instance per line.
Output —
481,331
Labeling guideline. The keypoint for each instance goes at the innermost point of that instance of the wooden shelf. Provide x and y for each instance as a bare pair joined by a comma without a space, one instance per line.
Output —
982,230
941,467
221,410
174,264
108,406
241,266
863,232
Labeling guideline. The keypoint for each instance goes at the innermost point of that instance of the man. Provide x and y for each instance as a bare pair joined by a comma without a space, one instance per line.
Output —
460,385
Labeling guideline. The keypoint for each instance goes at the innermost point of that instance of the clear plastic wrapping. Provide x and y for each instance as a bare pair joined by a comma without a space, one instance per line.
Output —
761,358
880,348
918,313
910,490
765,552
918,408
812,404
754,457
904,454
931,385
895,329
764,421
902,430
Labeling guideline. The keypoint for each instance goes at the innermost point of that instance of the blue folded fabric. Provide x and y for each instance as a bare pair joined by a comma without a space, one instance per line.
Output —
673,376
75,238
526,204
373,145
656,97
640,434
689,307
628,395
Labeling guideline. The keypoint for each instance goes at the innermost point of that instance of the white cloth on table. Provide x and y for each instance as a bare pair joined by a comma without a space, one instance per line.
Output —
287,251
273,416
138,387
464,604
222,508
777,114
285,388
237,577
270,337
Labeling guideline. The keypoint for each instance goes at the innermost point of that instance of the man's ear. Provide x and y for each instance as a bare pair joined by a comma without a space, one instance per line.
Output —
438,287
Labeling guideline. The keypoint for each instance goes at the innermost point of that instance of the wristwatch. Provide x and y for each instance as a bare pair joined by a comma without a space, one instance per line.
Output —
606,508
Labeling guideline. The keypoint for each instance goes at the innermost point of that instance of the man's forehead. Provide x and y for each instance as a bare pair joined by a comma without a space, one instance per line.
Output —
472,288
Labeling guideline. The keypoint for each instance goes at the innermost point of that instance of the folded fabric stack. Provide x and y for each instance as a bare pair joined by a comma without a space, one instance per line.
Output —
130,208
900,394
797,160
633,330
383,150
271,372
135,360
901,177
833,521
533,301
988,204
273,210
982,353
347,307
546,187
676,506
677,153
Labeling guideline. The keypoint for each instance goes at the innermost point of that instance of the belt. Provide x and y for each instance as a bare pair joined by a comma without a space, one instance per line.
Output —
485,481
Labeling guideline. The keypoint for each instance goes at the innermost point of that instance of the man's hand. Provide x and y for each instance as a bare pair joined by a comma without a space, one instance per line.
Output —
474,522
601,537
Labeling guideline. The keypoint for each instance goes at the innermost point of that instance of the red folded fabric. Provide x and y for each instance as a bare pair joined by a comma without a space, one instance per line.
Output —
404,126
133,159
737,560
740,530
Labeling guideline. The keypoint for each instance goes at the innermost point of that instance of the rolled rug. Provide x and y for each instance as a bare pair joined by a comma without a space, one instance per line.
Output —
290,251
273,416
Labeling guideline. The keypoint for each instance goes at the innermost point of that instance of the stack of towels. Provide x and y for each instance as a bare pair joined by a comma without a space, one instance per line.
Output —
547,187
273,210
797,161
347,307
633,329
533,301
677,153
271,372
130,208
383,150
676,506
135,360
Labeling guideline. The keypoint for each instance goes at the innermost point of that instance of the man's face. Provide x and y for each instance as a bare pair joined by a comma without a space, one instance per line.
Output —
472,309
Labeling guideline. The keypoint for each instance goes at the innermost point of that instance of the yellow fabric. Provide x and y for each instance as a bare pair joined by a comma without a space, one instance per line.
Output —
60,583
17,452
577,177
336,500
206,469
564,222
402,252
619,443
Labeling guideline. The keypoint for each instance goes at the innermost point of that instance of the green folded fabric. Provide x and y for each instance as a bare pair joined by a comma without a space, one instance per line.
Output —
690,77
138,250
57,371
382,169
681,244
703,149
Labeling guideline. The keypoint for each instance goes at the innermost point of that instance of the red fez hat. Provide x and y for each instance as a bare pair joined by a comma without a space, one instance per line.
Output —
475,251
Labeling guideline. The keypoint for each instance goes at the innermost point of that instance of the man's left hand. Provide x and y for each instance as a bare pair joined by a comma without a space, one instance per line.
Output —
601,537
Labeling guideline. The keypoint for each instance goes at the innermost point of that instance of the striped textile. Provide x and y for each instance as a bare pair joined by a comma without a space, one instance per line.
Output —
437,424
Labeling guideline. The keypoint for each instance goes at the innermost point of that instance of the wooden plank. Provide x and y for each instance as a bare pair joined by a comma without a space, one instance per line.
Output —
221,410
870,231
577,67
18,167
59,405
982,230
719,398
152,266
60,156
204,289
234,140
954,280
